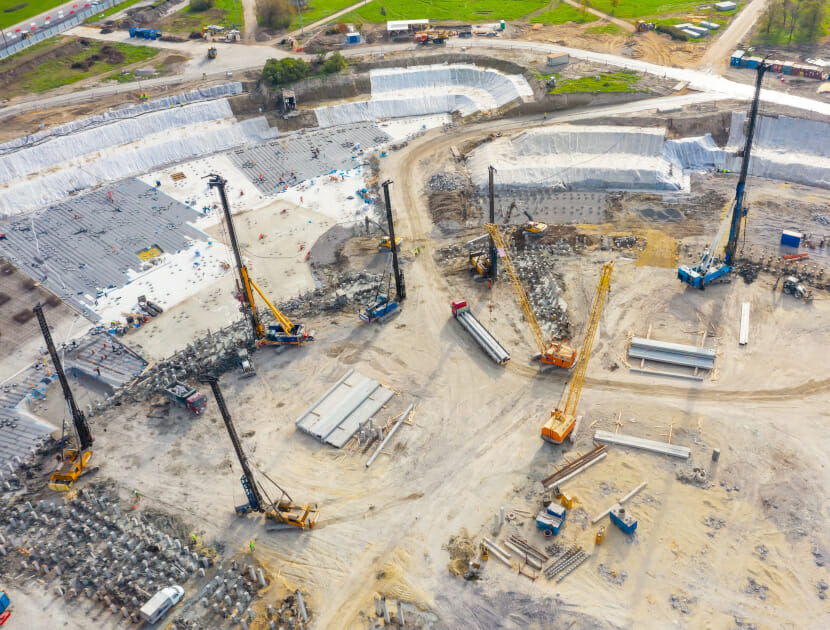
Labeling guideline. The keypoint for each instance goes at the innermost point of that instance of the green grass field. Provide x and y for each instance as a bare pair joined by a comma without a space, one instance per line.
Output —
447,10
222,14
564,13
14,11
58,72
318,9
642,8
606,29
622,81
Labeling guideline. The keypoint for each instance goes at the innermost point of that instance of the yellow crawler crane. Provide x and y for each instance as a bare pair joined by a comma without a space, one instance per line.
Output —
562,420
559,353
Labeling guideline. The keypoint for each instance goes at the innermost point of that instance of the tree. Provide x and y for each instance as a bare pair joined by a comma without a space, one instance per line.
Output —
793,8
277,14
200,5
335,63
809,22
285,71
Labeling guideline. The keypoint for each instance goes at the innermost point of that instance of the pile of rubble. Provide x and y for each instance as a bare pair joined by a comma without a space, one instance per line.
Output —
442,181
534,265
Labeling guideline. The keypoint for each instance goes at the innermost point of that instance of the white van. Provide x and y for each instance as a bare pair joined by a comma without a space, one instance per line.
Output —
160,603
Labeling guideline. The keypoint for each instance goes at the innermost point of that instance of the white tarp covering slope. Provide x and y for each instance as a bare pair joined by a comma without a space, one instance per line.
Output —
125,160
75,145
420,90
789,149
578,157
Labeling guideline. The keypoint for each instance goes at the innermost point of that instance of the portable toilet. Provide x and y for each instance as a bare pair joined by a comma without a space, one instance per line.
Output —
791,238
753,62
735,59
352,38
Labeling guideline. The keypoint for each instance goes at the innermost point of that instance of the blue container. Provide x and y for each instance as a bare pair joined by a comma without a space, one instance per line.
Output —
4,602
623,519
752,62
735,59
787,68
790,238
353,38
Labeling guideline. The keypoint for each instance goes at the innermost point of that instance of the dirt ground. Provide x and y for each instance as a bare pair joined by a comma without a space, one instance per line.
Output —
747,547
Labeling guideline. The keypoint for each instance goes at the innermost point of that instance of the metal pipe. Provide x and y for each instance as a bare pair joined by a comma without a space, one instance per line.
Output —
388,437
576,472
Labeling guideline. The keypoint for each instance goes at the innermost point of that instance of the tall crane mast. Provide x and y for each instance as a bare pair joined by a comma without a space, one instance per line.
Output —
284,332
74,460
559,353
283,511
710,268
252,491
563,419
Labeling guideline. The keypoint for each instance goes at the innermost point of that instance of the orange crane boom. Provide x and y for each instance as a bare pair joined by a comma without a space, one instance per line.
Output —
559,353
563,419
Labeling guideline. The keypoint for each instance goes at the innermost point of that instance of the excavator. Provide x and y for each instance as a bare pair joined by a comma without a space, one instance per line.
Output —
284,331
563,419
283,511
534,228
75,461
558,353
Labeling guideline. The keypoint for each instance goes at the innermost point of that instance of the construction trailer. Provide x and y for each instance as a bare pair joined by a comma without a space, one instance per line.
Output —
74,461
554,353
283,511
563,418
492,348
711,268
283,332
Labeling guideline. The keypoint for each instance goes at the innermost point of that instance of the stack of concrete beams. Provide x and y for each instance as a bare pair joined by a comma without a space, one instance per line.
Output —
672,353
340,413
85,244
21,434
340,149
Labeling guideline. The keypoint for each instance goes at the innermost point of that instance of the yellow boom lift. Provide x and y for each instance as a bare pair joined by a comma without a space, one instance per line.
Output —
559,353
563,419
284,331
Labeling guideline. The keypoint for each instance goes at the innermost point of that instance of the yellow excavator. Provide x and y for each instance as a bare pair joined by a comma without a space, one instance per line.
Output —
284,331
74,461
283,511
558,353
386,242
563,419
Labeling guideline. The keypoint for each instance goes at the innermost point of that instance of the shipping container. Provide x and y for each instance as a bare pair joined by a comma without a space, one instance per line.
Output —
753,62
787,68
735,59
791,238
776,66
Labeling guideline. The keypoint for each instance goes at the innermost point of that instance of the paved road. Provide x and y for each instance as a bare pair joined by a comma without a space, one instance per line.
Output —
236,58
716,57
11,34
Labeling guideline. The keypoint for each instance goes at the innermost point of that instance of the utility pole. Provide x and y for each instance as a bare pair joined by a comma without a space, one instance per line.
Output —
400,287
493,271
300,13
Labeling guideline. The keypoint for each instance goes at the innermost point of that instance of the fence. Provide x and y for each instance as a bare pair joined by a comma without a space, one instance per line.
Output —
57,29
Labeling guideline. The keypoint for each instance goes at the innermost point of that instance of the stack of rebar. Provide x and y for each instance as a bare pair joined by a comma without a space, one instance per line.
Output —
566,563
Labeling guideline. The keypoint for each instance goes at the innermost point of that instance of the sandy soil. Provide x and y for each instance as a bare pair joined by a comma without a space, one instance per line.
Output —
698,555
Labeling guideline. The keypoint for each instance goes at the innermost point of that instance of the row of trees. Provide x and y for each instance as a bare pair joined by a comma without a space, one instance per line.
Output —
286,71
787,18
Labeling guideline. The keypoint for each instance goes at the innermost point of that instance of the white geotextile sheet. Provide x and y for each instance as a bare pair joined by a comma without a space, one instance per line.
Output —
784,148
423,90
128,111
26,194
581,157
694,154
392,108
69,147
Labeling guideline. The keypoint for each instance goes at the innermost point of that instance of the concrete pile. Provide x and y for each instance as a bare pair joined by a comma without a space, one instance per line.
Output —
88,547
442,181
534,264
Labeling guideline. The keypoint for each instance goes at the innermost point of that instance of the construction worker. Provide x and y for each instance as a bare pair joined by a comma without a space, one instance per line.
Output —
136,493
195,540
251,543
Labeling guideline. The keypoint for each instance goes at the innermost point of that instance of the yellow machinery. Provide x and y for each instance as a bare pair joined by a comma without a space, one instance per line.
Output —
535,228
559,353
386,242
562,420
480,262
284,332
74,460
600,535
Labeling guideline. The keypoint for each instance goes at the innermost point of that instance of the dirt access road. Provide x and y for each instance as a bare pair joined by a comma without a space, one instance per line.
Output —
716,57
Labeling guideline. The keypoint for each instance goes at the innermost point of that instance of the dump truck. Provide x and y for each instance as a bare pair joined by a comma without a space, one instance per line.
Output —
461,311
158,605
186,396
432,37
